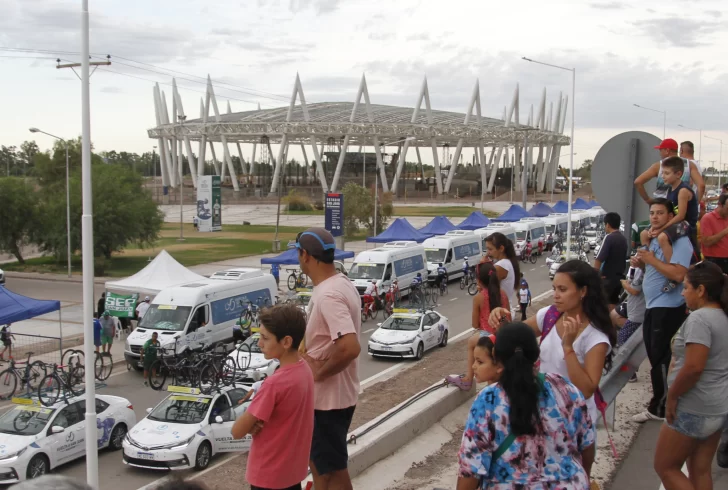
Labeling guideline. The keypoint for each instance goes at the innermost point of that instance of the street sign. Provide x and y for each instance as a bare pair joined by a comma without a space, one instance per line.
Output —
334,222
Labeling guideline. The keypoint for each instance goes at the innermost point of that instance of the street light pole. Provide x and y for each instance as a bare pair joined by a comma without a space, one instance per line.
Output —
664,117
181,181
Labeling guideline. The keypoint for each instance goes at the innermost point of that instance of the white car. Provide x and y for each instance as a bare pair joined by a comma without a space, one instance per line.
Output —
35,439
250,361
409,333
186,430
554,267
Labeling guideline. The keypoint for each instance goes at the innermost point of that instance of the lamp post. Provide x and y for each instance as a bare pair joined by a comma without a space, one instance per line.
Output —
68,199
720,161
571,160
376,180
700,148
181,181
664,117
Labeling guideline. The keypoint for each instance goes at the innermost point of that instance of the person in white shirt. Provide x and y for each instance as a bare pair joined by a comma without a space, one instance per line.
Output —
524,297
500,249
141,309
252,392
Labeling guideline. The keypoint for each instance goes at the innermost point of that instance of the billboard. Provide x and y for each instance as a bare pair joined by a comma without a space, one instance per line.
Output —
209,203
334,222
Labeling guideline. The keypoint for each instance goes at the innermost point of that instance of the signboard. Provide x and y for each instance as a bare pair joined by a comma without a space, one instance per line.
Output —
334,223
121,305
209,203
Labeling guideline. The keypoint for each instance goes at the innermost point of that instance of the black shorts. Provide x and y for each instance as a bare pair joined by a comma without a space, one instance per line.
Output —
329,452
612,288
7,343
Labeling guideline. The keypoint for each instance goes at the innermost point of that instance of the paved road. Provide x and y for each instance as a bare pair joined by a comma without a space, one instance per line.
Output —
114,475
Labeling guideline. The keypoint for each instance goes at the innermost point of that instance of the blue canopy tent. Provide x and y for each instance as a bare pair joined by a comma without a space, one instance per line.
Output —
539,210
475,220
400,229
561,207
581,204
514,213
594,204
290,257
15,307
438,226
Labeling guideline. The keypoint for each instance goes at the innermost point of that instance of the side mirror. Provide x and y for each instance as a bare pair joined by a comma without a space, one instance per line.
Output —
426,327
57,429
218,420
149,410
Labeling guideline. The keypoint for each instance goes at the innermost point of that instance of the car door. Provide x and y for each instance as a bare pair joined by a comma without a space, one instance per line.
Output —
222,432
105,422
438,328
69,444
427,331
199,331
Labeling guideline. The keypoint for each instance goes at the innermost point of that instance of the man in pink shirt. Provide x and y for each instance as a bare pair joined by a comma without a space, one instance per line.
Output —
332,350
281,414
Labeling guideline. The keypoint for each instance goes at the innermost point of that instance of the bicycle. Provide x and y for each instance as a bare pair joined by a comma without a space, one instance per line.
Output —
296,281
57,384
467,278
443,288
473,289
218,369
417,296
528,256
75,359
29,377
431,290
177,366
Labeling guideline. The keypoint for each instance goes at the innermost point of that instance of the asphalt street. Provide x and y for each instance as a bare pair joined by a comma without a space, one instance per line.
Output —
115,475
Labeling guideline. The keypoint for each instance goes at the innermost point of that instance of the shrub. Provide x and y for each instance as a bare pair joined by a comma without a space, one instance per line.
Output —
297,202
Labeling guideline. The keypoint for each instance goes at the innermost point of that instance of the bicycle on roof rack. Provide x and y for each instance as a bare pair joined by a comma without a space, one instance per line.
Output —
103,364
28,376
58,384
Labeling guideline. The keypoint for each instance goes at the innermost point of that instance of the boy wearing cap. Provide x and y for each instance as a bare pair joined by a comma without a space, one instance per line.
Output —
332,350
668,148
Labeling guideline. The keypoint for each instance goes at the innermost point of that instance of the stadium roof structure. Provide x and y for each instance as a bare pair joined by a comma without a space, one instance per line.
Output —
361,123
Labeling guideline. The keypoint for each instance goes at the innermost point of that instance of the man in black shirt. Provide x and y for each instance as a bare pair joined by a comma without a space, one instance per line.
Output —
612,258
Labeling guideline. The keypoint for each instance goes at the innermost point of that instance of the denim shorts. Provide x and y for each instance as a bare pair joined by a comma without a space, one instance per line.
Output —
698,427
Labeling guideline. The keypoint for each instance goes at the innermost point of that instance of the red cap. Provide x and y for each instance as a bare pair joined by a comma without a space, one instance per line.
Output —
668,144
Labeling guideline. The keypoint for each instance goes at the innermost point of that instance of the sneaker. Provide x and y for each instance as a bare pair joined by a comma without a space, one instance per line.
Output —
643,417
146,383
722,455
633,379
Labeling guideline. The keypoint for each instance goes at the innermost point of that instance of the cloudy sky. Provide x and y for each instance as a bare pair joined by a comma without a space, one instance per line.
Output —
661,54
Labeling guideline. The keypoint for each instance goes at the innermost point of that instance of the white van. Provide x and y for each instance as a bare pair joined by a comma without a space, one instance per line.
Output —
450,250
579,220
531,230
554,223
504,228
200,313
401,260
596,217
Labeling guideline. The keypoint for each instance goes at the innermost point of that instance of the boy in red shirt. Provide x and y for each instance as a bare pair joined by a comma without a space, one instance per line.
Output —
281,414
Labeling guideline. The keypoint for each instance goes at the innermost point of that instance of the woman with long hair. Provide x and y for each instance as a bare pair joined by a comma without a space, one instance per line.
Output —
500,249
697,398
527,430
491,296
576,333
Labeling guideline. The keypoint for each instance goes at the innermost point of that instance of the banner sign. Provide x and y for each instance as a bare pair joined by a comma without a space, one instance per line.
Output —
216,204
121,305
334,222
209,203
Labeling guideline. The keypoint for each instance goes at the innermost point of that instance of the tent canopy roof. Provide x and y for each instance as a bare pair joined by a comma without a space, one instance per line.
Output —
15,307
438,226
514,213
290,257
595,204
475,220
561,207
541,209
161,273
399,230
581,204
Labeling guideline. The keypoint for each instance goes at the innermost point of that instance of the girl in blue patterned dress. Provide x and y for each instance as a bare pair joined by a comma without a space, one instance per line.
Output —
527,431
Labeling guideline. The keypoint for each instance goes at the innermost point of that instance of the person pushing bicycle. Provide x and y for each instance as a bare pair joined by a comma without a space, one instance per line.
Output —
441,275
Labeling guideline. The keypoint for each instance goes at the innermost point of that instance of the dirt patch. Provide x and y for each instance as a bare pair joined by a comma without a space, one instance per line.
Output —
421,473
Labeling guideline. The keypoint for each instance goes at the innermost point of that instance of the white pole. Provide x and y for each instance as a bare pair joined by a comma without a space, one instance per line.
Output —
87,248
68,215
364,169
571,164
376,200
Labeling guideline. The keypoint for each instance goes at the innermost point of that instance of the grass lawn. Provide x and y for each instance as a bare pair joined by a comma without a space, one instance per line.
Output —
449,211
197,248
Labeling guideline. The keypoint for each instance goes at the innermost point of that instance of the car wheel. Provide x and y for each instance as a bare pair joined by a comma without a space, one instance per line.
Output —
117,437
420,351
443,343
202,459
37,467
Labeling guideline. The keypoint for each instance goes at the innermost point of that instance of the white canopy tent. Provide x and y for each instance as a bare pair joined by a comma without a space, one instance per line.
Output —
161,273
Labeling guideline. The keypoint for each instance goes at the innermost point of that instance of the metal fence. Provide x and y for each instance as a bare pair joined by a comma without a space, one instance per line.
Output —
43,348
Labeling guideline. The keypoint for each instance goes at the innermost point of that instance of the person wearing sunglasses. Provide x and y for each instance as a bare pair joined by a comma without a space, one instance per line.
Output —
331,348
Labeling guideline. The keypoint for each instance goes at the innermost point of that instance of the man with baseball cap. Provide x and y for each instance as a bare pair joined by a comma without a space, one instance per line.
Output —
331,348
669,148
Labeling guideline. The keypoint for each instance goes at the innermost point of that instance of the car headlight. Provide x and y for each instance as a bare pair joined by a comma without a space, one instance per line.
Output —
180,445
13,456
406,341
127,347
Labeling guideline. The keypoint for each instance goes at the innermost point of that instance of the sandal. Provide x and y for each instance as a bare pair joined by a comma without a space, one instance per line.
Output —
457,380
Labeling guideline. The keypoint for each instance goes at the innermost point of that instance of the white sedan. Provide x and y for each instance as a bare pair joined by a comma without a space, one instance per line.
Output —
186,430
409,333
250,362
36,439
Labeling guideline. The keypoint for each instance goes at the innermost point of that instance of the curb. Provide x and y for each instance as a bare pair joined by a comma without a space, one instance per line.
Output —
402,427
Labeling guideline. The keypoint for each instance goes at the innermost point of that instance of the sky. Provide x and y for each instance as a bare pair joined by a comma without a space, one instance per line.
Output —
667,55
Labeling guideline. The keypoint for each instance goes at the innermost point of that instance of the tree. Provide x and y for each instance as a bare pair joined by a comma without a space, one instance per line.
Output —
18,211
8,160
28,150
359,209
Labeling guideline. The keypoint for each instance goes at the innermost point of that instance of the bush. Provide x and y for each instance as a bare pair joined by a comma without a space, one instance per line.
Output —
319,205
296,202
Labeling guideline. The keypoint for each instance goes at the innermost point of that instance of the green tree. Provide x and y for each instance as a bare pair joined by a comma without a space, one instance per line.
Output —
18,211
8,160
359,209
28,150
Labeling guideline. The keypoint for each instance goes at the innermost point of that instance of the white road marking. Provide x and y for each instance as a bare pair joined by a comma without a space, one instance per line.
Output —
453,299
532,269
367,331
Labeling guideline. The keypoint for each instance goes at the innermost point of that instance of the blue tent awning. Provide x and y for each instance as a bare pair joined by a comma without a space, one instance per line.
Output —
474,221
595,204
15,307
561,207
514,213
400,229
438,226
581,204
290,257
539,210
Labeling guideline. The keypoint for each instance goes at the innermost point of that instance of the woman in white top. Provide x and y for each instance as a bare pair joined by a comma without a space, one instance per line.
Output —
501,251
579,333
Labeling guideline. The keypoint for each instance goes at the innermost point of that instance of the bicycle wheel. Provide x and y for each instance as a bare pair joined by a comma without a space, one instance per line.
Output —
49,390
8,384
36,372
72,383
532,258
103,365
66,357
228,371
157,375
473,289
291,282
303,280
433,297
209,378
364,316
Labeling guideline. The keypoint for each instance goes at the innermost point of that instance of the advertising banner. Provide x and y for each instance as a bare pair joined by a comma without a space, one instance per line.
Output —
121,305
204,203
334,222
216,204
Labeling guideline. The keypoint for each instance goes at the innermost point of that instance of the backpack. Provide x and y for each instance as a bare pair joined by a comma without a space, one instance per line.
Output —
549,321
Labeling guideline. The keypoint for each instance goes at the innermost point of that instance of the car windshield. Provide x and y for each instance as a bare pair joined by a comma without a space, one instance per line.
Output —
181,409
436,255
402,323
251,342
25,420
166,317
366,271
521,235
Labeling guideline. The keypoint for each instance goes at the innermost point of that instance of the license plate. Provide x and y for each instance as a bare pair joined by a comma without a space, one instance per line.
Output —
148,456
385,347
